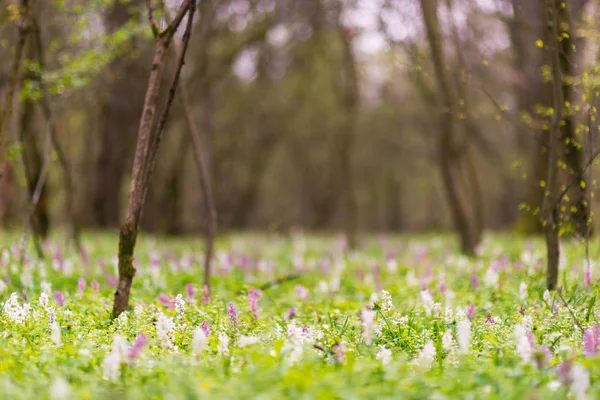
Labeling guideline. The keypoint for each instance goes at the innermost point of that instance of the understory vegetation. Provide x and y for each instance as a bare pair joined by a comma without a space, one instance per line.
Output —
298,317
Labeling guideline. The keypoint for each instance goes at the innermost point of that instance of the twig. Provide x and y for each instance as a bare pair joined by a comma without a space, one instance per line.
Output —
274,282
152,18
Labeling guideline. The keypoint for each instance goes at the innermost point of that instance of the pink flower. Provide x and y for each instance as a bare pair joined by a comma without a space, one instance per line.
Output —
443,287
81,285
475,281
590,342
166,301
587,278
489,318
301,293
206,328
190,290
60,300
232,312
564,372
95,285
471,311
205,295
136,349
291,313
253,303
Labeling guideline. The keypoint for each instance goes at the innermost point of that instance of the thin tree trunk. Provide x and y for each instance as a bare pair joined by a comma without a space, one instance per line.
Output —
549,205
7,108
350,103
147,146
448,153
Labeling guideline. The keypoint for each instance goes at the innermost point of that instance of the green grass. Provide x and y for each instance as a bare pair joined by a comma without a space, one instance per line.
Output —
280,363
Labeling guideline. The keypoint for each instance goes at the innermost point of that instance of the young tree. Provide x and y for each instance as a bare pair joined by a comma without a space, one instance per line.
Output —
148,143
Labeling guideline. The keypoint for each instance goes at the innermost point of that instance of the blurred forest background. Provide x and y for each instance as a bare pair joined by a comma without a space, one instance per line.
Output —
388,115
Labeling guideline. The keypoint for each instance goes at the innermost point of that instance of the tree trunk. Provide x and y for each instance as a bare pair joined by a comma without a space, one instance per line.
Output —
549,205
448,153
147,146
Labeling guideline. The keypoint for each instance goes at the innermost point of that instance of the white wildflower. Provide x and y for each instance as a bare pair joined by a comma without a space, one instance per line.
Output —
460,314
199,341
491,278
14,311
223,347
554,385
523,291
523,347
111,366
384,355
369,325
295,343
119,346
55,333
122,321
164,325
43,300
547,297
51,311
323,287
46,287
245,341
427,300
60,389
426,356
527,322
411,279
392,265
179,306
463,334
447,341
580,382
449,316
386,301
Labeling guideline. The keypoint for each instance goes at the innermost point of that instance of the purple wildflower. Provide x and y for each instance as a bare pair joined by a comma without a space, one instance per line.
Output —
190,290
590,343
206,328
543,356
60,300
489,318
471,311
253,303
443,287
301,293
166,301
338,353
475,281
205,295
24,296
291,313
81,285
136,349
232,312
95,285
587,278
564,372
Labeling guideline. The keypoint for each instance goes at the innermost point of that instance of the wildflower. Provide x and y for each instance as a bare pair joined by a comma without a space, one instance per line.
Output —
166,301
580,382
205,294
60,389
14,311
232,312
81,285
463,334
590,342
587,278
199,340
384,355
295,342
426,356
443,287
111,366
427,301
190,291
206,328
523,291
474,281
119,346
43,300
386,301
253,297
489,318
449,316
223,347
491,277
291,313
547,297
447,341
302,293
179,306
164,326
55,333
136,349
339,351
523,345
95,285
60,300
3,286
46,287
564,372
369,325
244,341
